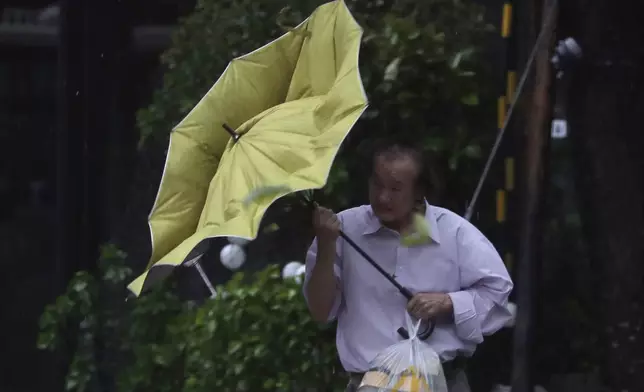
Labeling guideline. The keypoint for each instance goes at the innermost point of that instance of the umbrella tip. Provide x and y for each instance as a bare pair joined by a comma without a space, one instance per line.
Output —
231,131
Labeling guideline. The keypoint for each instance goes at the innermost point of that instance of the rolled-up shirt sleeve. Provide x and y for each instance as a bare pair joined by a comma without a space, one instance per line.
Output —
480,308
337,270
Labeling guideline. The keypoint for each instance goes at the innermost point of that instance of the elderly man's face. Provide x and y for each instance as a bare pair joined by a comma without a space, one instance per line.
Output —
392,188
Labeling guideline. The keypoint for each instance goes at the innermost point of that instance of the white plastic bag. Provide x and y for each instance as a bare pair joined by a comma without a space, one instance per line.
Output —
407,366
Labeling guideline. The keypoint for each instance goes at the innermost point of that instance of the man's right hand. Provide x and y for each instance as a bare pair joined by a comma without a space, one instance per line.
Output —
326,225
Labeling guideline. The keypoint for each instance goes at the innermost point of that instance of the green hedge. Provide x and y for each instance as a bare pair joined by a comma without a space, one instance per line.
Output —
255,336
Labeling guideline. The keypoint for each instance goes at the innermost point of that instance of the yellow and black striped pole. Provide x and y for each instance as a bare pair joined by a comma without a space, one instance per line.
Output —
506,186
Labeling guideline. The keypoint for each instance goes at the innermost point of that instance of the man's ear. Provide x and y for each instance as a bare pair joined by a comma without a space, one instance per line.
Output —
419,206
419,196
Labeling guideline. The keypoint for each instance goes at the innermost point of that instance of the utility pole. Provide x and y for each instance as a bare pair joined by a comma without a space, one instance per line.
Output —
534,165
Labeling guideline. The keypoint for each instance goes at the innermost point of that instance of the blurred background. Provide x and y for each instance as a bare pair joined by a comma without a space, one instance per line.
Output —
89,91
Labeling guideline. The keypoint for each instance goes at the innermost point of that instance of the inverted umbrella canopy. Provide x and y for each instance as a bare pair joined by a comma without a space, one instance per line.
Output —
287,106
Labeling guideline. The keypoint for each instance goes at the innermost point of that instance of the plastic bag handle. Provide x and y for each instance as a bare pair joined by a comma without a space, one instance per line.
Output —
422,335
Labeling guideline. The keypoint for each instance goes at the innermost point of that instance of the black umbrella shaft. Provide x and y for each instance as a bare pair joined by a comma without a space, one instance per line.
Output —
404,291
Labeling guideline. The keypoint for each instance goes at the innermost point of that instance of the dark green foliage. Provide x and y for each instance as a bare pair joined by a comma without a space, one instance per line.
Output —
255,336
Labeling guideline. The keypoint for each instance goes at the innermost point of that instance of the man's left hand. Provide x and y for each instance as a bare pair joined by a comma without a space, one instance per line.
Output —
431,306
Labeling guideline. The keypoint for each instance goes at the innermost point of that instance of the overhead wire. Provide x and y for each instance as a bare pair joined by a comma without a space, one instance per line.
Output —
515,98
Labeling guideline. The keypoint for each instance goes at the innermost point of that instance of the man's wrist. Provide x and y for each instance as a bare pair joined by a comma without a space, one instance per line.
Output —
462,305
326,251
326,245
448,308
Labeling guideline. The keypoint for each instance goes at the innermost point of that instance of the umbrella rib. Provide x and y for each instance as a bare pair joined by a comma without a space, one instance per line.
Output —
250,184
251,62
250,145
286,173
335,55
201,146
284,131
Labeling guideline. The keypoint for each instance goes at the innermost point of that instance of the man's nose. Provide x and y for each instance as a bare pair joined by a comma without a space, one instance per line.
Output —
384,197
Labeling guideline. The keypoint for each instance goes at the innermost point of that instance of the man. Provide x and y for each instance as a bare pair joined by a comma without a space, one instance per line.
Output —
457,277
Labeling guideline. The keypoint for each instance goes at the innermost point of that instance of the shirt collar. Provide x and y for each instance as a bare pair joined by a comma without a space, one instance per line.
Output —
373,225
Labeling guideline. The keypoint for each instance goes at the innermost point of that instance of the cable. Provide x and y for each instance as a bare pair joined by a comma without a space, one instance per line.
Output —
517,92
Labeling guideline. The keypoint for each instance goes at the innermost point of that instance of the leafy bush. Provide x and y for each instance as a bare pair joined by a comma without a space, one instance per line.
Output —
255,336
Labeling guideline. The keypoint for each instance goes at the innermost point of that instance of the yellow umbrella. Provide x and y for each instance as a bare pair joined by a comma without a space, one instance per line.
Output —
276,116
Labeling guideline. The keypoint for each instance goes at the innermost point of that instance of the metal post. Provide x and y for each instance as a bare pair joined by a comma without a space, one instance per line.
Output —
195,263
